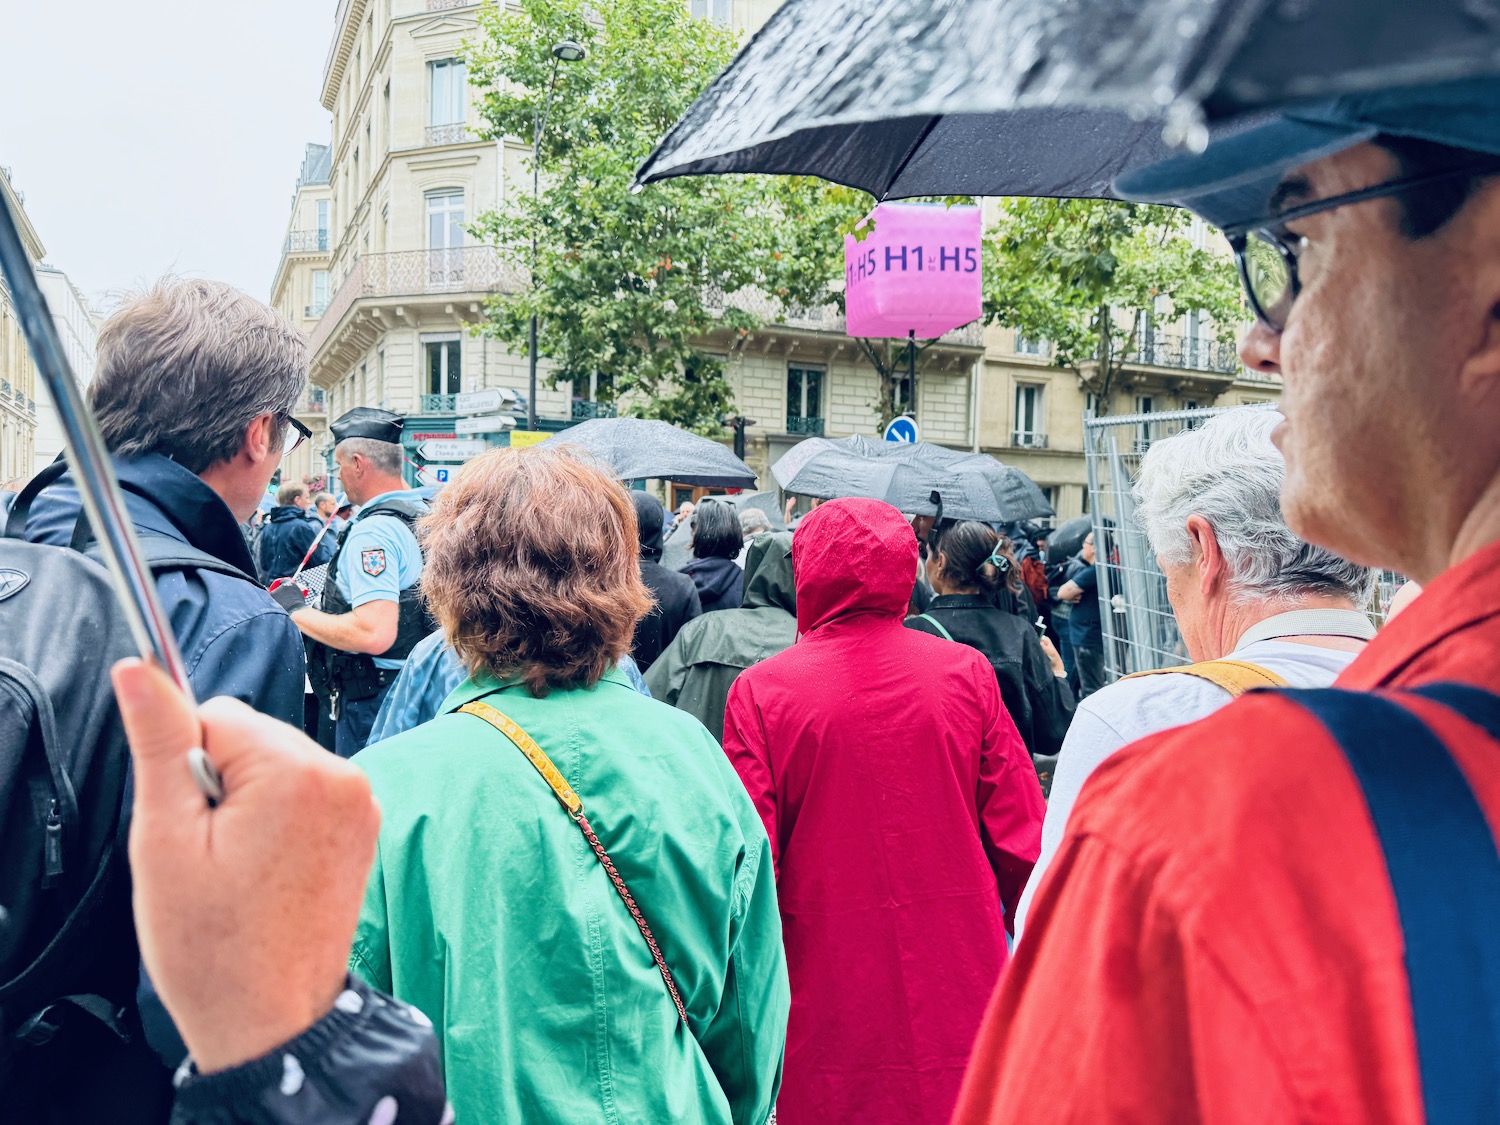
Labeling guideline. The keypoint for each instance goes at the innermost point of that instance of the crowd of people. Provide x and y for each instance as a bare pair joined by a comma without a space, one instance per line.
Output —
604,840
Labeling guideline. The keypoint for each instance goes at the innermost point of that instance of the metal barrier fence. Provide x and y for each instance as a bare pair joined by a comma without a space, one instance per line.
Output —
1140,630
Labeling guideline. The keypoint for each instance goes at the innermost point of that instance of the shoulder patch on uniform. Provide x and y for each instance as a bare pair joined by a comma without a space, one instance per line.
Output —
373,562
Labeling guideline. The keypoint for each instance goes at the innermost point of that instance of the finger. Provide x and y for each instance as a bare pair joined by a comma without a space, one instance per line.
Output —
162,729
237,736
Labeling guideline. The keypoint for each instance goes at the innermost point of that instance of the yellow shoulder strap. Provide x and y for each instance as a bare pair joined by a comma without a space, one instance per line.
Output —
1234,676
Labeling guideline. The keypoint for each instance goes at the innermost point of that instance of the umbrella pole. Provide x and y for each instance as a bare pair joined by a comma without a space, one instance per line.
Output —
93,472
911,368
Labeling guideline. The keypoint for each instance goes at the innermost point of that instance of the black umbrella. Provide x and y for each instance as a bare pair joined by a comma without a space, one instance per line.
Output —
1068,539
907,475
1034,97
644,449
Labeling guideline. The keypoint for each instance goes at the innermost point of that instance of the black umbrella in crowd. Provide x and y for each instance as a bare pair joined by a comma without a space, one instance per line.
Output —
1036,97
646,449
1068,539
906,476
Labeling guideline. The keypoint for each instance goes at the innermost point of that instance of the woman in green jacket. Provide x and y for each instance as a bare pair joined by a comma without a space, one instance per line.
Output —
490,908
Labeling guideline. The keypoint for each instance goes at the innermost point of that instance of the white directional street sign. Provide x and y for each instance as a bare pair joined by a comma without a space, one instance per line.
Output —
451,449
490,424
481,402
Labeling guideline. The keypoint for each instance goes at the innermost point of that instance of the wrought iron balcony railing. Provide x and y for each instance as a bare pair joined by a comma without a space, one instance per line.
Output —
314,310
821,318
414,273
1189,352
448,134
1028,439
444,5
810,426
583,411
306,241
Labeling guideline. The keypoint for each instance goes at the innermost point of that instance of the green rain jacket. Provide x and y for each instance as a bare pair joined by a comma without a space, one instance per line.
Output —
698,668
489,912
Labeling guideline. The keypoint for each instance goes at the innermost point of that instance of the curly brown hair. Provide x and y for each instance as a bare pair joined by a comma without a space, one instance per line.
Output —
531,567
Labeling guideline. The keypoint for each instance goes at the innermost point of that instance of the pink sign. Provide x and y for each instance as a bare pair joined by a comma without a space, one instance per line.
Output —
918,271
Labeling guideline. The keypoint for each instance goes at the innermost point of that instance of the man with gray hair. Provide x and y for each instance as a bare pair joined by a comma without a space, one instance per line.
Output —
194,391
1256,605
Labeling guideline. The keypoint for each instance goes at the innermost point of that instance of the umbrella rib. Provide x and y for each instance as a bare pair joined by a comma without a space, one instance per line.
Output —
907,157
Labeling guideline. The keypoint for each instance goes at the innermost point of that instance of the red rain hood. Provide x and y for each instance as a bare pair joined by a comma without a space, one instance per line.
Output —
850,557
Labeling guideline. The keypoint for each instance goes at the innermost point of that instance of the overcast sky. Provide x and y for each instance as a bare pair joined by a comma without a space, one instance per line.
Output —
163,135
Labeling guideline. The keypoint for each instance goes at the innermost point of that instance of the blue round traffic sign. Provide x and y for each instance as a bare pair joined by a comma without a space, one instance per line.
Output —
902,430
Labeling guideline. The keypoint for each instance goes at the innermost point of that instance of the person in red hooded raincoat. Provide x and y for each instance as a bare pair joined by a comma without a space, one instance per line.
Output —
904,815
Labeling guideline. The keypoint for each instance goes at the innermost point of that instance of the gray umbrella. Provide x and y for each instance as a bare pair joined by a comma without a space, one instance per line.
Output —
644,449
970,485
1034,97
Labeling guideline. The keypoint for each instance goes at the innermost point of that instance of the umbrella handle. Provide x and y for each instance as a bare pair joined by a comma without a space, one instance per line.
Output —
94,474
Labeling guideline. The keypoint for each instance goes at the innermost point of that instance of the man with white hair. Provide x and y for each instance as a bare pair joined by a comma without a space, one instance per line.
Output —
1256,605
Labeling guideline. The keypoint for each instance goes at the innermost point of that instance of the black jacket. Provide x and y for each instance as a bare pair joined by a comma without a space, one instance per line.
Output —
370,1058
285,539
675,595
235,639
720,582
1039,702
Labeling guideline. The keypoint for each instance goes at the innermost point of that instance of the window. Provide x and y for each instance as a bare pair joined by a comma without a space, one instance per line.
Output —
320,293
445,220
443,365
380,379
1031,423
902,400
447,86
1144,404
1190,404
716,10
317,400
323,224
385,117
804,400
1025,346
364,385
1091,404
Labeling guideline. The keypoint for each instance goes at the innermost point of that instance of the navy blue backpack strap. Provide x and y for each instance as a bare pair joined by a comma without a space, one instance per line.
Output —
1444,868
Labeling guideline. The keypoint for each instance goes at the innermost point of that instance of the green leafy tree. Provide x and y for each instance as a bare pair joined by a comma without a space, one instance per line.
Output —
1079,273
626,286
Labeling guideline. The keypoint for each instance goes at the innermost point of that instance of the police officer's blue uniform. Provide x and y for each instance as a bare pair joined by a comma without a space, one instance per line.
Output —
378,560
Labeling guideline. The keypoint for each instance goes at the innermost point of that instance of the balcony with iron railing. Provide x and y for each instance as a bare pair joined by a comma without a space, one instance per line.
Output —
307,242
417,273
454,134
583,411
314,310
1028,439
445,5
811,427
821,318
1187,352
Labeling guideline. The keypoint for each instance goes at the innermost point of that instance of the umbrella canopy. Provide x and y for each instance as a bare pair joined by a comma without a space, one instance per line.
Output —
905,475
1068,539
644,448
763,501
1032,97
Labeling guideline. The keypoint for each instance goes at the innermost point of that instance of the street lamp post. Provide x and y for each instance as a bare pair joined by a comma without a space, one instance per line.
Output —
564,51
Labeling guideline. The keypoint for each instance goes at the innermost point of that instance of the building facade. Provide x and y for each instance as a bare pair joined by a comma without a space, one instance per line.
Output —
78,328
18,383
405,284
301,291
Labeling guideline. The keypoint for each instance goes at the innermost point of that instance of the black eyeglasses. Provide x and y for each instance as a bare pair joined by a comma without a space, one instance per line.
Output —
1266,253
295,434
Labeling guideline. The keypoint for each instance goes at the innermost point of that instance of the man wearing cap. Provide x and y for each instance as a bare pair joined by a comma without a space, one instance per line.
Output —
1270,915
372,613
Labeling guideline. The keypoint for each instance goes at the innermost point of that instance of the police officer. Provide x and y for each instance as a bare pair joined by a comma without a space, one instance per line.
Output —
372,613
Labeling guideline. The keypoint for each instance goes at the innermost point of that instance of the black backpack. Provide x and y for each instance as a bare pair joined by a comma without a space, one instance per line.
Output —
71,1047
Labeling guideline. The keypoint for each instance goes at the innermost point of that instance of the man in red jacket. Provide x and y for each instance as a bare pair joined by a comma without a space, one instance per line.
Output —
1219,940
